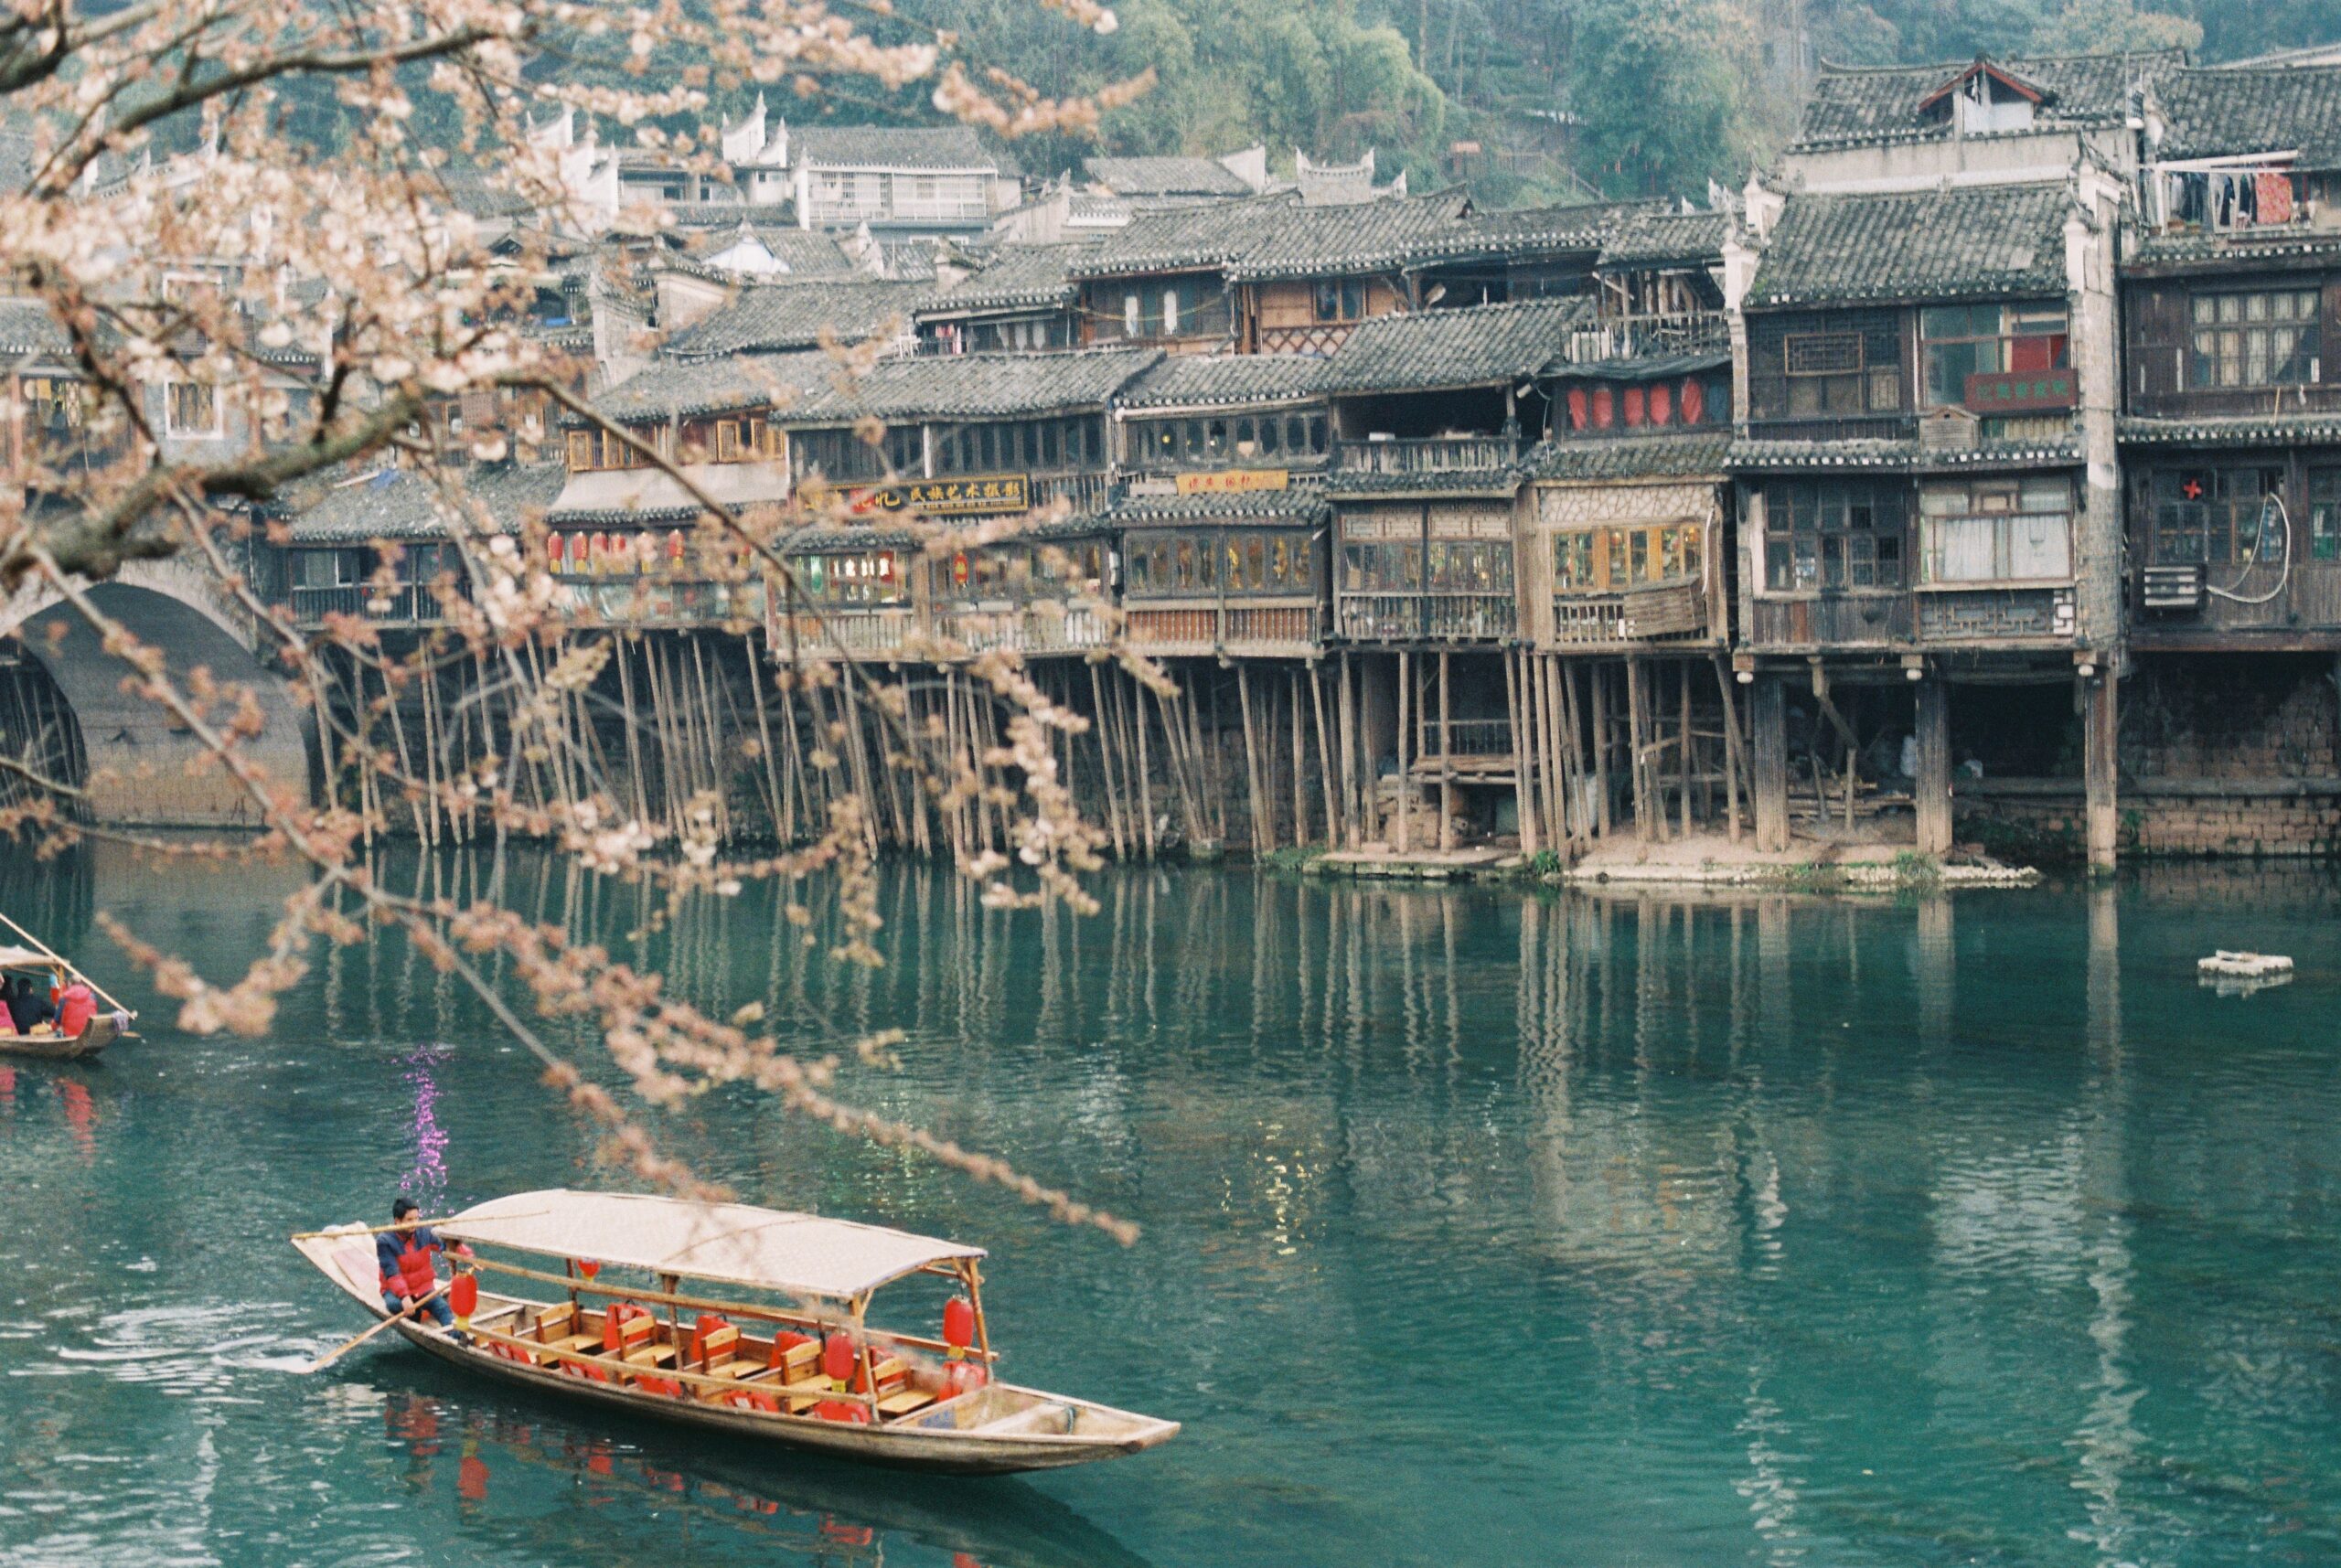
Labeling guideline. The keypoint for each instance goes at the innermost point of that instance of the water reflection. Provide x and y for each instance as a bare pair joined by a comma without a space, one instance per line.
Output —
1745,1228
493,1466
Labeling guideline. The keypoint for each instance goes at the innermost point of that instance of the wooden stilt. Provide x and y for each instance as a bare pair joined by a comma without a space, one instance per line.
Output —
1731,758
1407,706
1446,756
1522,787
1333,820
1599,680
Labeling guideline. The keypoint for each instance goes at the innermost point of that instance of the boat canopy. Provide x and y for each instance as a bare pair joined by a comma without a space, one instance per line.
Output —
803,1254
25,958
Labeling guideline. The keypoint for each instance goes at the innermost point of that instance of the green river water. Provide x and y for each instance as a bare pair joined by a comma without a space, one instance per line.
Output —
1480,1228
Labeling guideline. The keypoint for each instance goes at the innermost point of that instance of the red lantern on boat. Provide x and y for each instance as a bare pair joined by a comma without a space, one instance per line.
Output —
958,1326
836,1358
464,1297
588,1267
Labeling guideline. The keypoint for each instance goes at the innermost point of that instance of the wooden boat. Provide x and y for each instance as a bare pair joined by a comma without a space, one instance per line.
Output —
33,956
802,1367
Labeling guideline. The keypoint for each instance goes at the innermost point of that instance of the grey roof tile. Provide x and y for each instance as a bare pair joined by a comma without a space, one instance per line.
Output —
1641,457
401,503
1187,237
1357,237
1582,225
668,387
1469,347
1298,503
977,386
1906,456
1505,481
768,318
1165,177
29,327
1654,238
2230,110
2285,429
1849,107
1196,380
1013,275
1997,240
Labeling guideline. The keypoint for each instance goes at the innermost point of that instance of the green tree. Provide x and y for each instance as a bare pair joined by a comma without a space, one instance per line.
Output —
1660,87
2098,26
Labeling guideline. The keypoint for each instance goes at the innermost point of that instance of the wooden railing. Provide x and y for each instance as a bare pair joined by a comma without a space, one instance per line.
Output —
1041,628
1417,617
408,603
1440,455
1647,336
865,634
1669,610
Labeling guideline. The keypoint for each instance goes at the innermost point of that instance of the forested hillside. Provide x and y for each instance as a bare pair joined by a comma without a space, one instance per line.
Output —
1625,96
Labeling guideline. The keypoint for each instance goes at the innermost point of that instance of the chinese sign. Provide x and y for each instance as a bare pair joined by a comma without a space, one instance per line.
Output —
948,497
2022,391
1231,480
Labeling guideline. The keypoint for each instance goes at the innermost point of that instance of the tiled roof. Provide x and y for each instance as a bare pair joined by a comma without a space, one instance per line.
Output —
1013,275
1469,347
1673,456
2282,429
407,504
2217,114
1165,177
1505,481
888,146
1196,380
1583,225
769,317
806,252
28,327
2000,240
1850,107
1900,455
814,538
666,387
1298,503
2281,248
908,261
728,214
1175,238
977,386
1654,239
1367,236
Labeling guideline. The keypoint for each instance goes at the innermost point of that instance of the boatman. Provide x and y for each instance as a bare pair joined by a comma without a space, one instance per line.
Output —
403,1253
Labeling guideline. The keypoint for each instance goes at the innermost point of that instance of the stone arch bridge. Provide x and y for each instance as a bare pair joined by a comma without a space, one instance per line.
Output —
139,765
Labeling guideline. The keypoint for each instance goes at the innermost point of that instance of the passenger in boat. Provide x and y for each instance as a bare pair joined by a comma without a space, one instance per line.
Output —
408,1274
29,1004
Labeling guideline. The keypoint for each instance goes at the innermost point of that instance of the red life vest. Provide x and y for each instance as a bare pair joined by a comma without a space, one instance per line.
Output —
416,1278
75,1008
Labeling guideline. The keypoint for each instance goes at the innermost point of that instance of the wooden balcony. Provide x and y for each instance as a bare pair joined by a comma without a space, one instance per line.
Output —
1040,627
653,602
409,604
1648,337
1468,748
1666,611
1186,629
1440,454
879,634
1426,617
1836,620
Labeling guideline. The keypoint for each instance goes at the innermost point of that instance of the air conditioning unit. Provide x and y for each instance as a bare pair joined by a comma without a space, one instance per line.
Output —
2178,588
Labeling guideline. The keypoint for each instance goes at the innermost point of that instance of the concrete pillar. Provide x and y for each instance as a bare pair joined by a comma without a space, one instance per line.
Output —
2101,721
1768,756
1930,788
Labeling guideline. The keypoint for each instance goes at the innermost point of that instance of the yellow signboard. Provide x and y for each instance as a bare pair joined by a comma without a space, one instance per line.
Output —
948,497
1232,479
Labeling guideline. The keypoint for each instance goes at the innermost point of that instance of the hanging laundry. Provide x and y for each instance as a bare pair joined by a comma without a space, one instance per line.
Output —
2274,191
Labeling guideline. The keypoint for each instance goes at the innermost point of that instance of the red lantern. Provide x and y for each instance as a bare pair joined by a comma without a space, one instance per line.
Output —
675,545
463,1297
552,552
1576,407
1636,406
1694,401
588,1267
836,1358
958,1326
1662,404
1605,409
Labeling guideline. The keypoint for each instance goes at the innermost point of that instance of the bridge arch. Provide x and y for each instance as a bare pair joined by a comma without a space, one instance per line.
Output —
139,766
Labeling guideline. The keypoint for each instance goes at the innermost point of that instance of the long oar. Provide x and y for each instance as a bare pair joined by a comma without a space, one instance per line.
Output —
399,1225
334,1355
